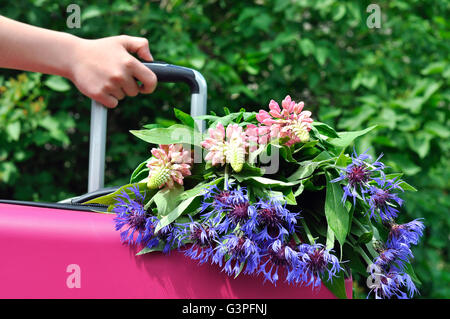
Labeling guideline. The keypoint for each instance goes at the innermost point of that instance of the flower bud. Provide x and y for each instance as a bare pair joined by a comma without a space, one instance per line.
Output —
158,177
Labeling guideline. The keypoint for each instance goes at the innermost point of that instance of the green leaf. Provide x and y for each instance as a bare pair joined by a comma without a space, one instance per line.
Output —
330,238
325,129
90,12
13,130
434,68
206,117
199,189
404,185
402,161
346,138
151,126
7,171
310,237
290,198
174,214
137,172
321,54
410,271
306,146
240,269
407,187
253,156
342,160
339,12
365,238
167,199
57,83
272,182
147,250
248,171
197,62
286,153
323,156
110,198
336,285
299,190
335,212
185,118
305,170
437,129
420,143
171,135
307,46
225,120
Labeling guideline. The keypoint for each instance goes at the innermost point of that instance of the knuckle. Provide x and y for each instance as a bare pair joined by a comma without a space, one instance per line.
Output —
116,77
108,87
97,94
129,62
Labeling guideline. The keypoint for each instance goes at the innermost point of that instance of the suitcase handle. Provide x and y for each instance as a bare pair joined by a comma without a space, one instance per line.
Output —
165,73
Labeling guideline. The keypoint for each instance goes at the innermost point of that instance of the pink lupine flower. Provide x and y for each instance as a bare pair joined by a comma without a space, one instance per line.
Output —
226,146
216,145
257,135
288,121
169,164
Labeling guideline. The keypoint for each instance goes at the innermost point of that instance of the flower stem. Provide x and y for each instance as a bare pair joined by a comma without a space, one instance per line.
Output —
360,225
308,232
226,175
151,200
361,251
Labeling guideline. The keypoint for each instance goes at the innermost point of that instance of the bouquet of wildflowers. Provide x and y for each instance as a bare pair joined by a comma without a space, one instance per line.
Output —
274,194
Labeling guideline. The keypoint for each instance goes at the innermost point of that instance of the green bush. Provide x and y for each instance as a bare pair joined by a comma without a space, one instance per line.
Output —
323,52
29,128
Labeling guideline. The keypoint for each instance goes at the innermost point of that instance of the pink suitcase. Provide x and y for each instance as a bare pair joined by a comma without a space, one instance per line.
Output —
68,251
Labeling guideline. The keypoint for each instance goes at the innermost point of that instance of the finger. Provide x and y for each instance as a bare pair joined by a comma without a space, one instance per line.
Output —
107,100
118,93
137,45
147,78
130,87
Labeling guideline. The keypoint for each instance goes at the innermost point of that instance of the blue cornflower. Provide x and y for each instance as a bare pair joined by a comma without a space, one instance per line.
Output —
131,215
358,174
279,255
168,234
214,201
408,233
201,235
394,254
389,285
382,199
273,220
241,252
228,209
315,261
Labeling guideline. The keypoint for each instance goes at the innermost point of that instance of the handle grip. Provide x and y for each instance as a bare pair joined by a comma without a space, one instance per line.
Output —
165,73
172,73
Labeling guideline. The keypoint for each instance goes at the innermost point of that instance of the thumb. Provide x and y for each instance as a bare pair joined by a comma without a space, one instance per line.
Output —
137,45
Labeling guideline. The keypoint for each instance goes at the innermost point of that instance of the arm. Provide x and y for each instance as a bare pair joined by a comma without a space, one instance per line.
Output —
102,69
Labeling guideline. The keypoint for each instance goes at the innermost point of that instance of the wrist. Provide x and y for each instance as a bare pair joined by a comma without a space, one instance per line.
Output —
70,56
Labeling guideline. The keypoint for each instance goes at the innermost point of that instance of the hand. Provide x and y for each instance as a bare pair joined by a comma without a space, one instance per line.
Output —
105,71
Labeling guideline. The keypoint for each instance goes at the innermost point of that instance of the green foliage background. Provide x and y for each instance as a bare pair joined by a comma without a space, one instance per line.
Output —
322,52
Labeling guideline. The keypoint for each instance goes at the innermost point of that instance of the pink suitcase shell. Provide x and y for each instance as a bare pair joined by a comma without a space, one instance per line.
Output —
47,253
50,252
